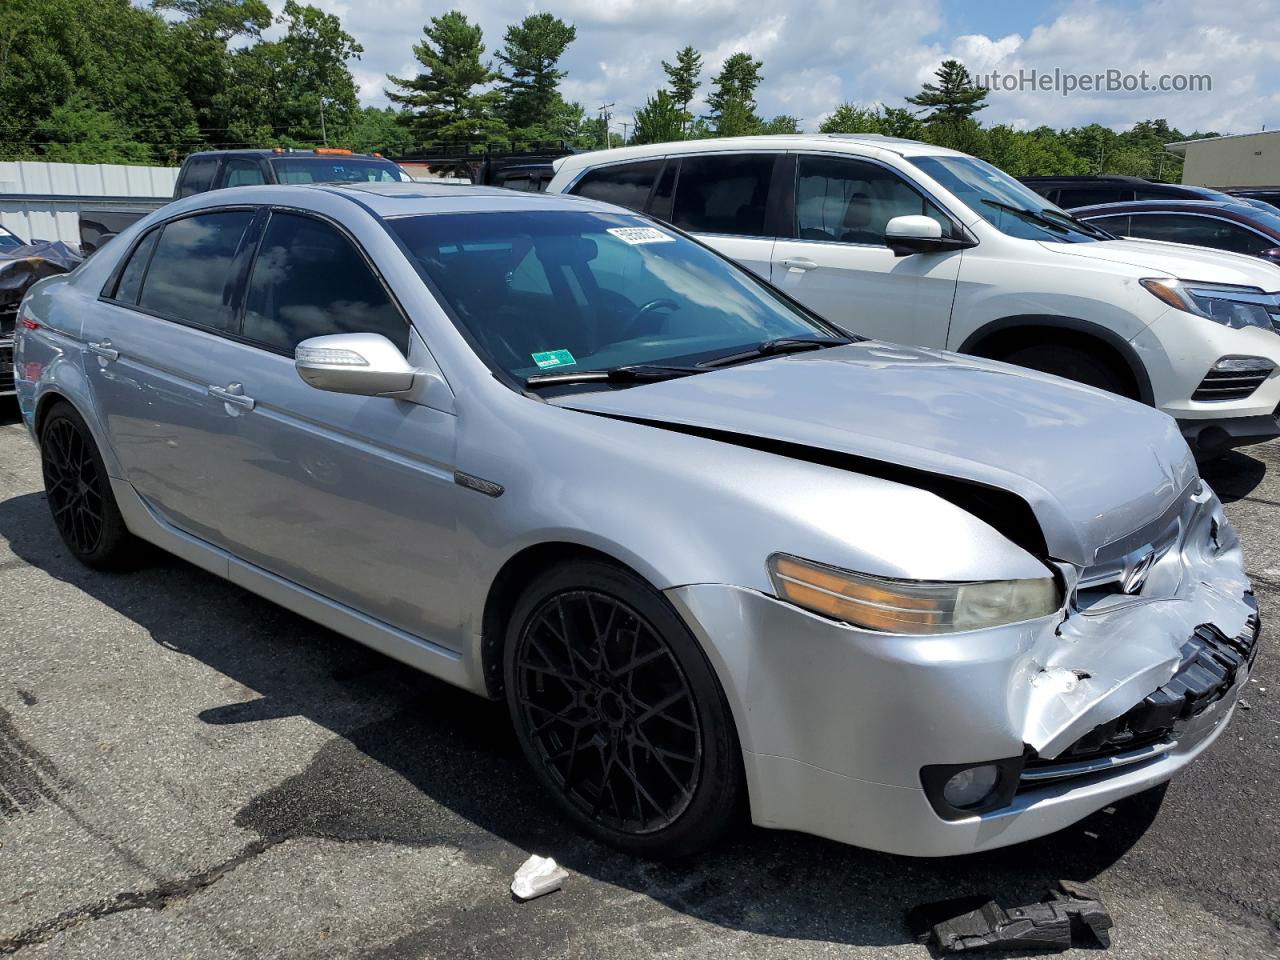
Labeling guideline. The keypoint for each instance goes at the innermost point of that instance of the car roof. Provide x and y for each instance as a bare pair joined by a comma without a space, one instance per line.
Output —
400,199
839,142
1172,203
270,152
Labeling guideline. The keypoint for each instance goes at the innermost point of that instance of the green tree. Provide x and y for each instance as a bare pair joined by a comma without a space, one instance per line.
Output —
660,120
442,98
78,133
954,97
531,56
733,96
109,55
850,118
783,123
383,130
683,77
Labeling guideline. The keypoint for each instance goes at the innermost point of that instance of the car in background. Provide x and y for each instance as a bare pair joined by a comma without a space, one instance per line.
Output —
9,240
714,555
1072,192
1268,195
1237,227
911,243
219,169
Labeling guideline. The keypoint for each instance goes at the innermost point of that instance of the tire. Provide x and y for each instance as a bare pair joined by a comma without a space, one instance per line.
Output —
79,493
645,760
1075,363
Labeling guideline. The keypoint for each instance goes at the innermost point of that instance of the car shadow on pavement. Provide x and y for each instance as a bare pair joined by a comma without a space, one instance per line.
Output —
1234,475
419,763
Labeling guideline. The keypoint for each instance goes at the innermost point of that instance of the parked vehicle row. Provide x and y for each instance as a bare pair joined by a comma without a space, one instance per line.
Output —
1235,227
713,550
914,244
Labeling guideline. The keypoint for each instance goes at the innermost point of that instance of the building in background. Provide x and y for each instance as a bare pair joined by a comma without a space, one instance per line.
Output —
1241,160
43,201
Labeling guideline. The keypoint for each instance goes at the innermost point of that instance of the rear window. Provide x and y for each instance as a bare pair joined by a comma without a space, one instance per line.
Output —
197,176
192,273
336,170
626,184
720,193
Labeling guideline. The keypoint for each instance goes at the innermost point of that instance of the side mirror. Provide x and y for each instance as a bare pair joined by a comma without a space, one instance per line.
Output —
918,234
365,364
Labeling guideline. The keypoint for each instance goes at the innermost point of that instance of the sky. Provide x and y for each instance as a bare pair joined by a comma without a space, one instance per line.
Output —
824,52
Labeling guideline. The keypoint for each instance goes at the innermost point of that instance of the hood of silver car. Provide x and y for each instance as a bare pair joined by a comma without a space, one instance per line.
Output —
1056,445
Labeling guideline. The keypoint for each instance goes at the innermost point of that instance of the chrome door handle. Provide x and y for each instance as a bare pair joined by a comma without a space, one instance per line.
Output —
232,393
798,264
104,350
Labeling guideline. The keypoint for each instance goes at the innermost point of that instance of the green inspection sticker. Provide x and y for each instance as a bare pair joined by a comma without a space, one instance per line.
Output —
553,358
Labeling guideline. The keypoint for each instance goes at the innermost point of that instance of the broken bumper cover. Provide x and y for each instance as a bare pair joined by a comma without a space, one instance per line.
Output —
837,724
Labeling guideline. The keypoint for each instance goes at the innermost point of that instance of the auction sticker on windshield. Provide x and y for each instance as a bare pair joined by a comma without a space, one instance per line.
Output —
637,235
553,358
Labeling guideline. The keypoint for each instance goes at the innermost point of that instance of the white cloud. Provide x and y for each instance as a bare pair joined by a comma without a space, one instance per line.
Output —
830,51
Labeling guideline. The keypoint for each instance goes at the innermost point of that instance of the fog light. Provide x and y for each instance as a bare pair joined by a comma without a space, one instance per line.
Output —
970,787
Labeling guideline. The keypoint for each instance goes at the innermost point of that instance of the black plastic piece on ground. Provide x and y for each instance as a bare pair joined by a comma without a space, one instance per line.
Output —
1071,915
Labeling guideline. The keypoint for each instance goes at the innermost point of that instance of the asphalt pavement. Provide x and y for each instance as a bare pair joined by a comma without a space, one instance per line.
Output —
189,771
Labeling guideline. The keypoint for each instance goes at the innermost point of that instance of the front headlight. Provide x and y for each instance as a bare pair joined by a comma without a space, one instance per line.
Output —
1235,307
917,607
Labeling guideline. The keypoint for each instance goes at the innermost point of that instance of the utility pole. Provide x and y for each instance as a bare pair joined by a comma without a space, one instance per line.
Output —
323,135
605,115
624,132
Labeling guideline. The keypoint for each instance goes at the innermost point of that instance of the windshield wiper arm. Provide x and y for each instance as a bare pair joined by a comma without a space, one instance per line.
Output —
770,348
629,373
1079,224
1028,215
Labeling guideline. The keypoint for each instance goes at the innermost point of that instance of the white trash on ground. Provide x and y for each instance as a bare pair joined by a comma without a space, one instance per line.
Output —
538,876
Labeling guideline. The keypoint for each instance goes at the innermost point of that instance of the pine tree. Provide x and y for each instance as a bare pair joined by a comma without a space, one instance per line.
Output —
660,120
684,78
443,97
532,51
732,99
954,97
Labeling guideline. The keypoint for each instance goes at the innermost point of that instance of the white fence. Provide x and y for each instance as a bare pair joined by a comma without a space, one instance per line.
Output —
43,201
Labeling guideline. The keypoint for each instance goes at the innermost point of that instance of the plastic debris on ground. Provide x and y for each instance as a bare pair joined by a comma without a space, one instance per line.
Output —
536,877
1072,915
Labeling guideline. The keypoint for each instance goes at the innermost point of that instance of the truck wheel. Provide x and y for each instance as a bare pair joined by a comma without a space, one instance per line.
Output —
1075,363
619,712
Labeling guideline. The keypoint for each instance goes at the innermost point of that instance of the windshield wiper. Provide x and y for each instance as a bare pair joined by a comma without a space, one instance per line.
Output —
1028,215
770,348
1079,224
629,373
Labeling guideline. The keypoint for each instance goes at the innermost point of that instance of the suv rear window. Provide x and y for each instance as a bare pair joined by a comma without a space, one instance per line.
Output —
723,193
335,170
626,184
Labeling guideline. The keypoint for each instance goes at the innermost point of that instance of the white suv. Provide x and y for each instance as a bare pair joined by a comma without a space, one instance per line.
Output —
908,242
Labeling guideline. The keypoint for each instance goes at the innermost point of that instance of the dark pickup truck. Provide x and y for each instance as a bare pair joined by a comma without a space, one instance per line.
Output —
215,169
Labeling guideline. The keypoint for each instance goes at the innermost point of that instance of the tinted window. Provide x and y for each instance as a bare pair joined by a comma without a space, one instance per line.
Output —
1070,197
585,291
197,176
664,194
721,193
626,184
192,274
524,182
309,281
238,172
848,201
1117,225
336,170
1199,230
131,276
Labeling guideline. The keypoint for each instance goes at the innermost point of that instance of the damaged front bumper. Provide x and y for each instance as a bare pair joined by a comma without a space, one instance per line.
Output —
842,728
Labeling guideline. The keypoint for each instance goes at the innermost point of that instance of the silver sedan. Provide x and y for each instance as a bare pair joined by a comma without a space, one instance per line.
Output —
716,555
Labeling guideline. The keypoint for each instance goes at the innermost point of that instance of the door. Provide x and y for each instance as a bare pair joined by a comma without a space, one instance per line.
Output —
352,497
838,264
155,344
724,198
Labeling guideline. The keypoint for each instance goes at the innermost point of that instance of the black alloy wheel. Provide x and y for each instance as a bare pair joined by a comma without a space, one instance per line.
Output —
79,492
619,712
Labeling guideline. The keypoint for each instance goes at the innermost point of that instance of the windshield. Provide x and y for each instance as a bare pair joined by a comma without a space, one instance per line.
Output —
567,291
1002,201
7,239
336,170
